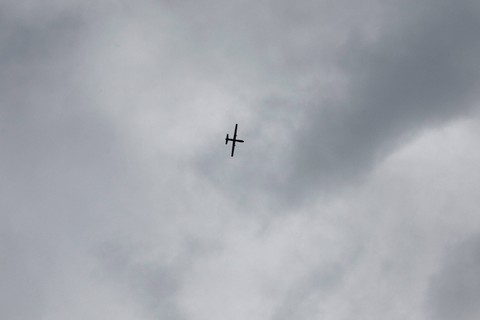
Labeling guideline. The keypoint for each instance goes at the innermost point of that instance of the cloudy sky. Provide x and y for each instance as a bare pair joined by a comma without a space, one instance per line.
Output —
356,194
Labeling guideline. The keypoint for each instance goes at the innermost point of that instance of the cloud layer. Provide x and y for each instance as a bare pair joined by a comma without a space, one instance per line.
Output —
354,196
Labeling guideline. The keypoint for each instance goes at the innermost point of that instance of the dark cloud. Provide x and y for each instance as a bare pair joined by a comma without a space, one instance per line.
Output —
420,72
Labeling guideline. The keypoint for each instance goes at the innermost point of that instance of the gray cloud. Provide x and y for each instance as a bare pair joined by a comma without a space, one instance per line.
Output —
454,291
59,163
119,199
154,286
421,71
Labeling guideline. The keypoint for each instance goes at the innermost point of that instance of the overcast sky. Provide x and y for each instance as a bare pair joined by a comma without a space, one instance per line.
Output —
356,194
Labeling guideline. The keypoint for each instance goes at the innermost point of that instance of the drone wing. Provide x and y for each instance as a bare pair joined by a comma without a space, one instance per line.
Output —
233,147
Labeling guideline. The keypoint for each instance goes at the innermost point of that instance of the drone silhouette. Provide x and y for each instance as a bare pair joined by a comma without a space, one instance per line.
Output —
234,140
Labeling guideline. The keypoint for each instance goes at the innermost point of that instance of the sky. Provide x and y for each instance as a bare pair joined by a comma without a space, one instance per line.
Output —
355,194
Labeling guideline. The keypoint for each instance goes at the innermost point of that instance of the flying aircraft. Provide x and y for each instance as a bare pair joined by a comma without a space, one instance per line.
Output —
233,140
